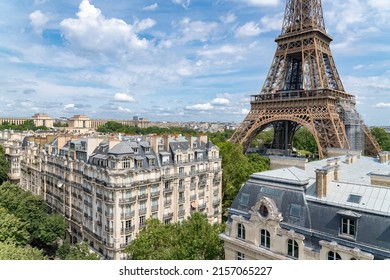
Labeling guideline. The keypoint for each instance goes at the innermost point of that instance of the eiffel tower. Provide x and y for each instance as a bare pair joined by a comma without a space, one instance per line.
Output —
303,88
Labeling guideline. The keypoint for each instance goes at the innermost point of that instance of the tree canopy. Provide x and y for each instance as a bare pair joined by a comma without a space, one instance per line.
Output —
382,137
116,127
79,251
43,228
4,166
193,239
10,251
25,126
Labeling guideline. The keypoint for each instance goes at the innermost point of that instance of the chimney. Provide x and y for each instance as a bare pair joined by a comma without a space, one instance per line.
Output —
112,142
383,157
323,178
154,141
166,142
203,138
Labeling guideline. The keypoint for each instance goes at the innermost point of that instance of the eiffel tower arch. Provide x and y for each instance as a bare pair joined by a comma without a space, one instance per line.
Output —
303,88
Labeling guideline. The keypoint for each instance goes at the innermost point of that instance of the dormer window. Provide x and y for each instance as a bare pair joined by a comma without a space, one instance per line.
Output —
126,163
348,223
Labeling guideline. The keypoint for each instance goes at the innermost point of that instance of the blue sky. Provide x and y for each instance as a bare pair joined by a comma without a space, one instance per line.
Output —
173,60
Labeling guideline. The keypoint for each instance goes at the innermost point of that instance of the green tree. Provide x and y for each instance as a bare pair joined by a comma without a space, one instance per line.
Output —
156,241
78,251
14,252
51,228
193,239
382,137
304,141
44,228
12,229
199,240
4,167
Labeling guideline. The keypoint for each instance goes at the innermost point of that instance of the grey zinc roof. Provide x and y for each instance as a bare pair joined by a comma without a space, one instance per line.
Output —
176,145
294,191
122,148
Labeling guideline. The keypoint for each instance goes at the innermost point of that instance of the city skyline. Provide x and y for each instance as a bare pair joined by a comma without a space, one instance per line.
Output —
178,60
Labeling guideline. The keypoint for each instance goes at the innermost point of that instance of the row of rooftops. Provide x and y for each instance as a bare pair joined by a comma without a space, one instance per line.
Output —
155,149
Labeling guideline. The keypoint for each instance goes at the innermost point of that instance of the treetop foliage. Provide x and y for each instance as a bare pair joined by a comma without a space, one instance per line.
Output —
26,126
382,137
4,166
193,239
116,127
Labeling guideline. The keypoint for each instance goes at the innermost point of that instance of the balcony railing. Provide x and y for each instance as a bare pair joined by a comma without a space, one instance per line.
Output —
129,215
167,216
127,230
168,190
155,194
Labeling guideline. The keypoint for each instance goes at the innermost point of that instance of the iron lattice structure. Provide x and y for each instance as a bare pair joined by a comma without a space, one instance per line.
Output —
303,88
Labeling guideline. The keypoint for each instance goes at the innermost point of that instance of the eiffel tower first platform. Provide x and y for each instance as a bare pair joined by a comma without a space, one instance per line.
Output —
303,88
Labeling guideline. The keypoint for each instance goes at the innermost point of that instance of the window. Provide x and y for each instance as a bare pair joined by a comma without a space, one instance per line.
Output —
348,226
263,211
333,256
141,220
240,256
128,224
244,199
241,231
139,163
126,163
265,238
128,239
292,248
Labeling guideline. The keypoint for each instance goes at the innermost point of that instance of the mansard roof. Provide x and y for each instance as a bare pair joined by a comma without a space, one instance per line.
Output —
353,195
122,148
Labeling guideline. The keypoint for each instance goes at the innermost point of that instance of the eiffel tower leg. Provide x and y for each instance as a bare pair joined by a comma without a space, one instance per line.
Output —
284,134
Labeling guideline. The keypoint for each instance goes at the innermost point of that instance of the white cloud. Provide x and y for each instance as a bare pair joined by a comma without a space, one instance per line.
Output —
40,2
244,111
196,30
228,18
358,67
382,105
183,3
152,7
249,29
123,97
200,107
38,21
220,101
226,49
379,4
69,106
144,24
262,2
125,110
91,31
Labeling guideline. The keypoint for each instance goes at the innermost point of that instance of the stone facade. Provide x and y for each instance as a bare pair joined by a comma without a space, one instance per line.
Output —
108,187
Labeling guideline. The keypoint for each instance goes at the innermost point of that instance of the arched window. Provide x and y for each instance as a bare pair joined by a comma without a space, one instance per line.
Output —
333,256
241,231
265,238
292,248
